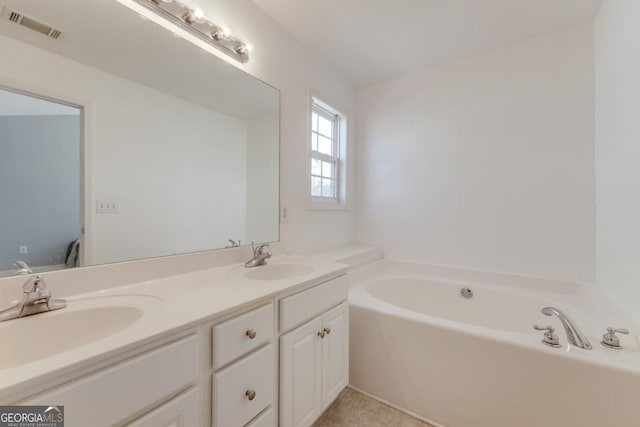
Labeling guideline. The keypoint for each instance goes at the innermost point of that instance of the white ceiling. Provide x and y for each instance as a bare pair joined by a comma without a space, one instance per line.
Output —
372,40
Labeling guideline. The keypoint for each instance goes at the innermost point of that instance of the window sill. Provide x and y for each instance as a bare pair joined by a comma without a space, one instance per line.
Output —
325,205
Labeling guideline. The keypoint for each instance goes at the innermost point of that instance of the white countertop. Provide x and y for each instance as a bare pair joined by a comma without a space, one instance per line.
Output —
182,301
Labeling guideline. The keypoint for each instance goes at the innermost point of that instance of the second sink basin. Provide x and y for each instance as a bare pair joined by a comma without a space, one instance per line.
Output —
278,271
82,322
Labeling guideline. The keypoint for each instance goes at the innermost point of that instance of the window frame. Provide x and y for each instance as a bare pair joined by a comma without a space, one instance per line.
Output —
339,142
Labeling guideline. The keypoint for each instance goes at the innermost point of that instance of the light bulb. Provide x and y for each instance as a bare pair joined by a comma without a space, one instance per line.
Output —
241,49
198,14
194,16
218,34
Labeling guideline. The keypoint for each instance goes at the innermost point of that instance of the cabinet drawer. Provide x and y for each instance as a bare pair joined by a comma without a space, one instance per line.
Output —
232,406
266,419
232,339
298,308
126,388
181,411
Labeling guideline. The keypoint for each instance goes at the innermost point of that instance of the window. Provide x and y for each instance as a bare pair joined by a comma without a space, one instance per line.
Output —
326,153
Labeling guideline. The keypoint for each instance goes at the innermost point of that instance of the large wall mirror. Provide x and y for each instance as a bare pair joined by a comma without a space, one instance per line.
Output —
120,141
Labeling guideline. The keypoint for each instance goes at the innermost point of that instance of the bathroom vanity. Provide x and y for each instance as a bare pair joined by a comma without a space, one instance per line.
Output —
170,154
212,348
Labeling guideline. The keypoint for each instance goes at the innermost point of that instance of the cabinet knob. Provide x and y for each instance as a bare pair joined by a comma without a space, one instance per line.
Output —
327,330
251,334
251,394
321,333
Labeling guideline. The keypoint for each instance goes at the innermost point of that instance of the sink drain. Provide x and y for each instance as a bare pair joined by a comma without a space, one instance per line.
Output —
466,293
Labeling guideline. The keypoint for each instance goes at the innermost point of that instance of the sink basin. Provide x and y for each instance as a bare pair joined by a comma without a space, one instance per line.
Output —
278,271
82,322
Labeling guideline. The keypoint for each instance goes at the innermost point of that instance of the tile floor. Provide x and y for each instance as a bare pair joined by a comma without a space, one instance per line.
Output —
354,409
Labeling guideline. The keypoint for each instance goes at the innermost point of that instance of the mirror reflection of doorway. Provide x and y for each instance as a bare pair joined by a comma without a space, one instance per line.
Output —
40,184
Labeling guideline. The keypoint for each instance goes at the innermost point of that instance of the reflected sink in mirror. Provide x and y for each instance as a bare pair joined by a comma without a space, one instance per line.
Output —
82,322
278,271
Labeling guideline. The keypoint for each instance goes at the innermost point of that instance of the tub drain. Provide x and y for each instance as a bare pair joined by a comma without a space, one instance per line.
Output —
466,293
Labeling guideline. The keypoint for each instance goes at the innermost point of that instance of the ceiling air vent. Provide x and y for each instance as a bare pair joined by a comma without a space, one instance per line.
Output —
32,24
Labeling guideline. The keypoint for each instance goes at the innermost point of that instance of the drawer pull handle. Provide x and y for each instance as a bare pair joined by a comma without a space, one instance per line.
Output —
251,334
251,394
321,334
327,330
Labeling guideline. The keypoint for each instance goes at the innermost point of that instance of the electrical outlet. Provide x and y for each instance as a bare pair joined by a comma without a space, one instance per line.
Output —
284,215
106,206
23,250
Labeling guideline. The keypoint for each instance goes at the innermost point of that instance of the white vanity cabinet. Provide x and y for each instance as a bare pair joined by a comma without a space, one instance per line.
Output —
314,357
279,362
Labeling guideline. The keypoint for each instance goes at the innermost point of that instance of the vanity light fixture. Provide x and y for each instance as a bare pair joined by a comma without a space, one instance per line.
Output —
196,23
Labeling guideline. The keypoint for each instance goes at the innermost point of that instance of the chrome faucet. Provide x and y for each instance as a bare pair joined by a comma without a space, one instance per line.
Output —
36,298
574,336
259,256
21,268
234,244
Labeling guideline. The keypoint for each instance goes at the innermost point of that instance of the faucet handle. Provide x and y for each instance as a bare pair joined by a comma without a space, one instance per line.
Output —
34,284
610,340
257,250
549,338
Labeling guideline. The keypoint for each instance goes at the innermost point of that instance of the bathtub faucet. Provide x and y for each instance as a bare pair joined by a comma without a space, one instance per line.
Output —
574,336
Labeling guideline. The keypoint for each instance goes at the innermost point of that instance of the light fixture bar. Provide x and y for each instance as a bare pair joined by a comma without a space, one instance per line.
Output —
194,22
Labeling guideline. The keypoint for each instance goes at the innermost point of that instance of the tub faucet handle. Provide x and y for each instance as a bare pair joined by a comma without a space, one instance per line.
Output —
549,338
610,340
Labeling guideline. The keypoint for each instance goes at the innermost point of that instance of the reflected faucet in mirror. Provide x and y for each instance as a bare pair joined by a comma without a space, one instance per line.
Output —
21,268
36,298
234,244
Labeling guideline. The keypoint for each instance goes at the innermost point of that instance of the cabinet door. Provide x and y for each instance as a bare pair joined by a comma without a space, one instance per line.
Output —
335,353
181,411
300,375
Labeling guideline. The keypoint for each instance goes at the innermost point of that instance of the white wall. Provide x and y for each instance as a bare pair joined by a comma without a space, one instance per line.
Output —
486,162
617,59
